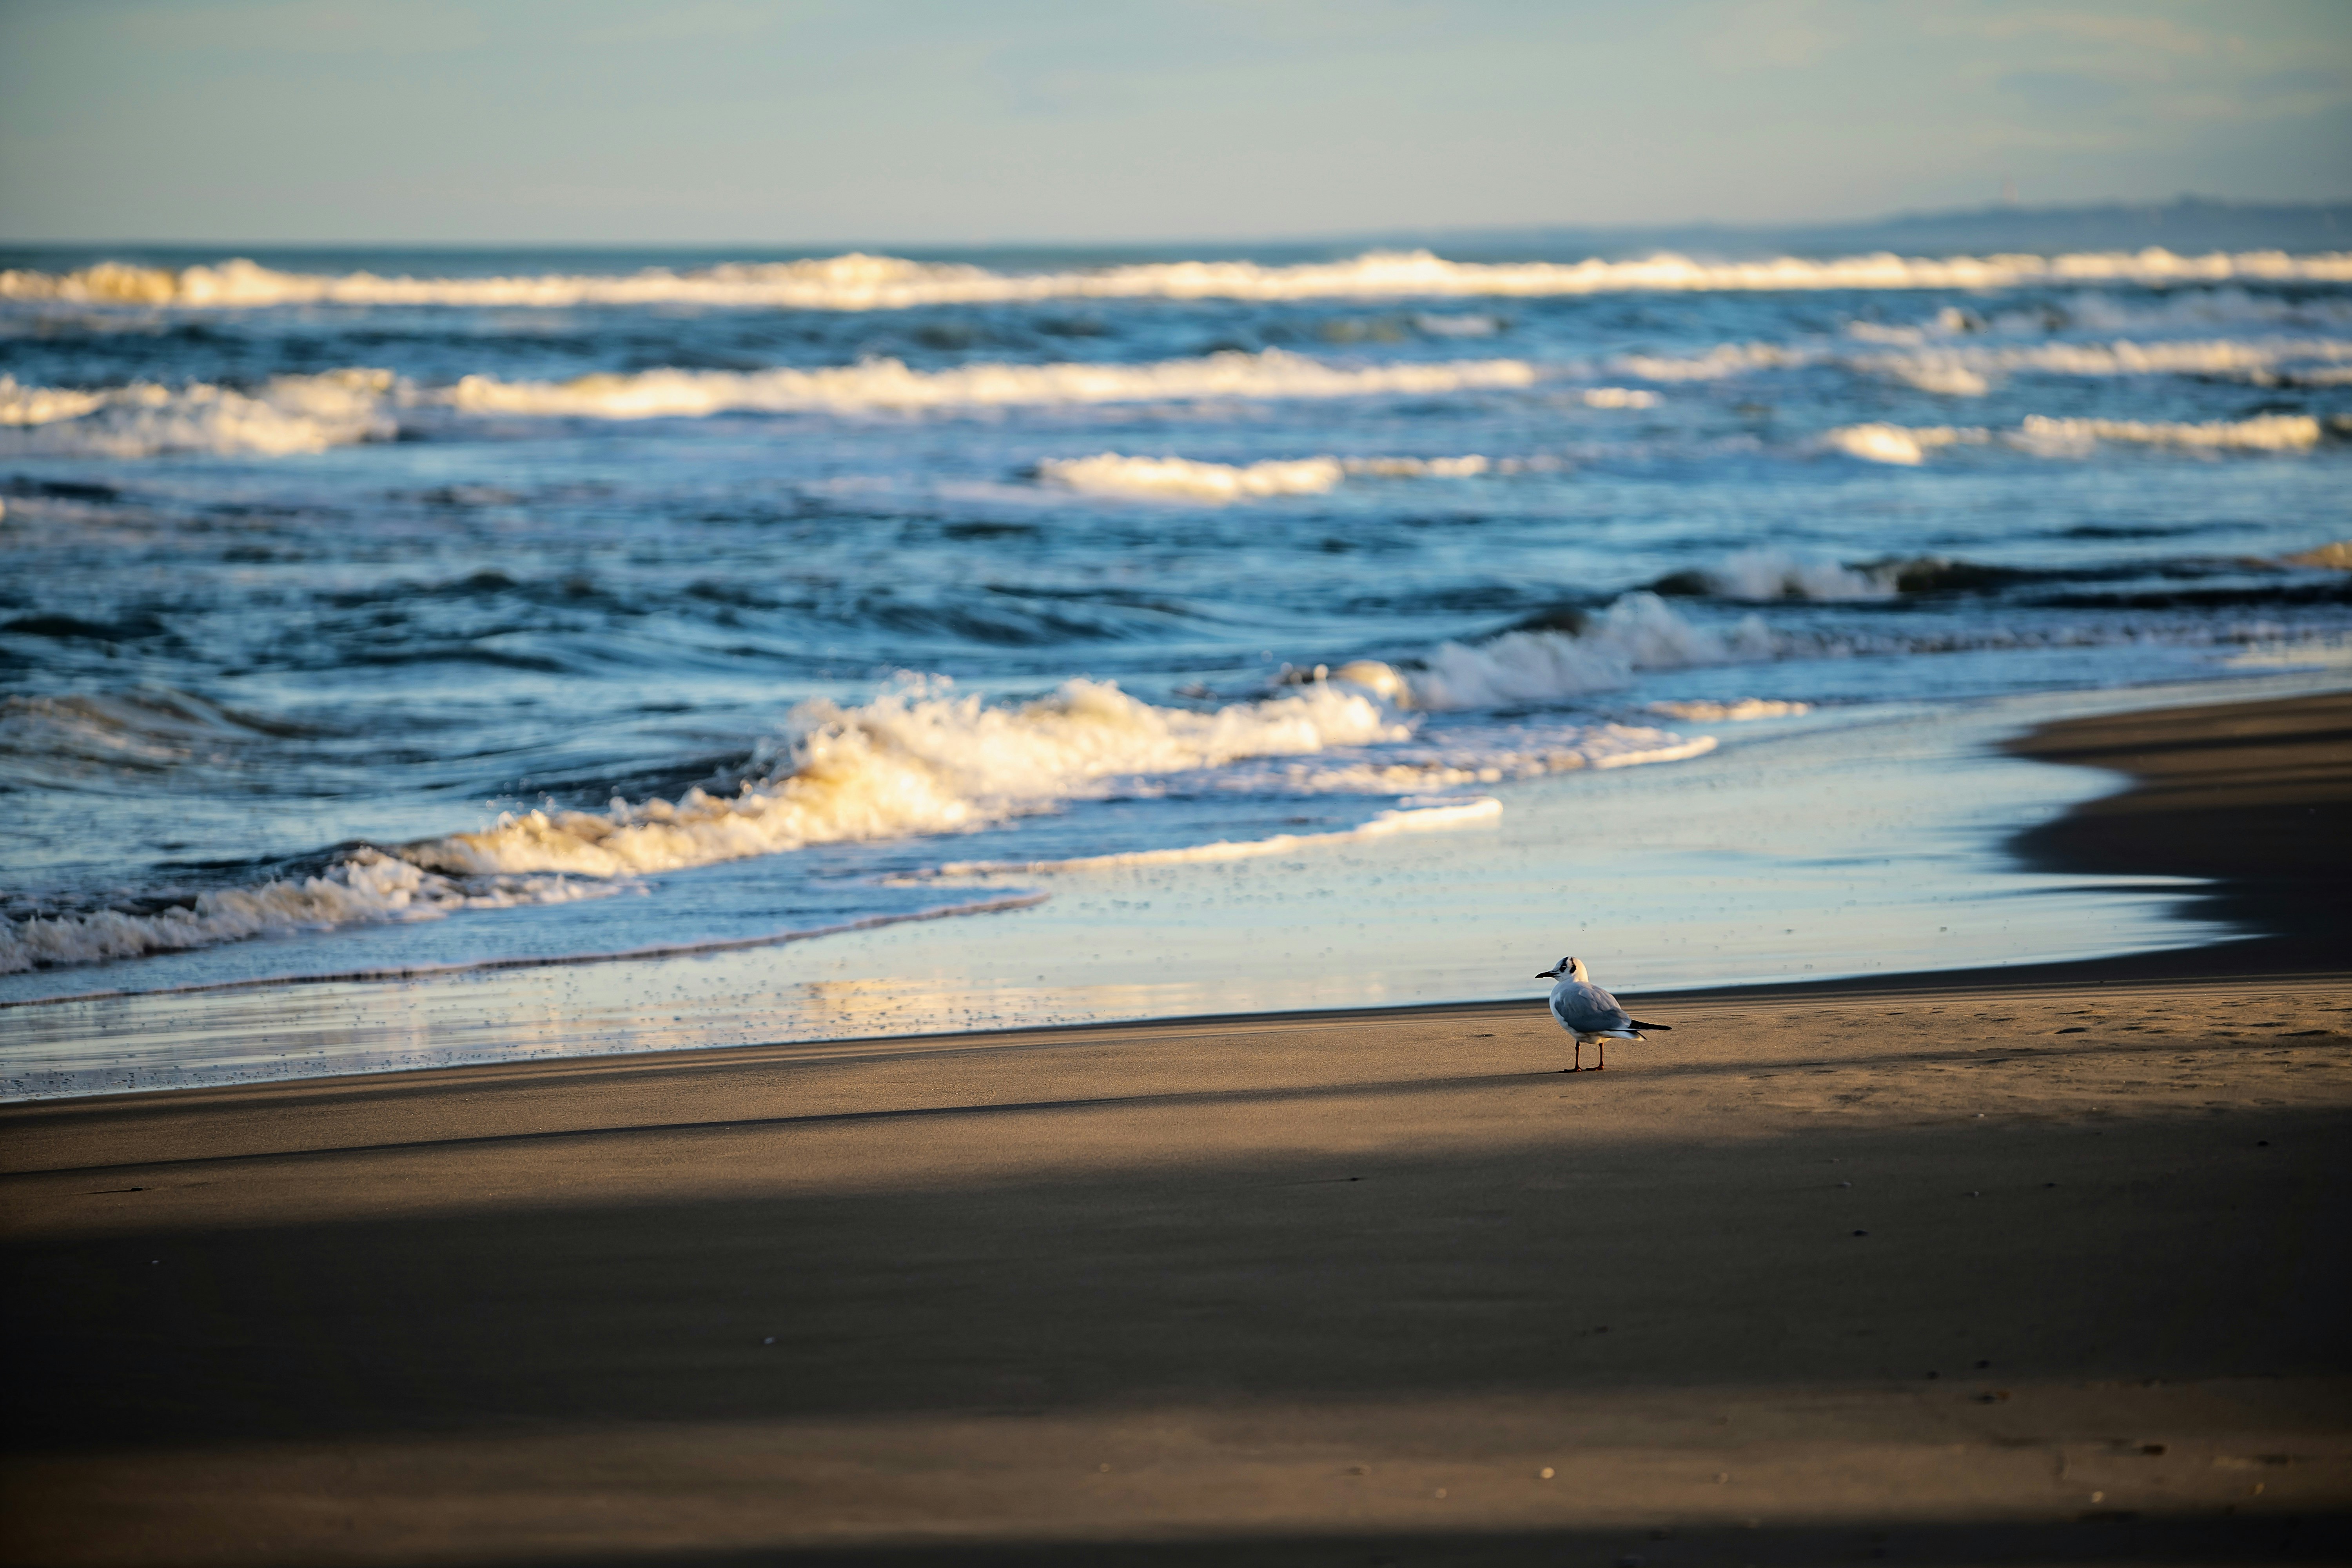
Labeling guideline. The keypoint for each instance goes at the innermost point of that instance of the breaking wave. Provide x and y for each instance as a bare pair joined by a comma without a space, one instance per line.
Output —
370,886
1967,369
294,413
1182,479
861,282
1761,574
886,383
289,414
1738,711
1910,446
1638,631
916,760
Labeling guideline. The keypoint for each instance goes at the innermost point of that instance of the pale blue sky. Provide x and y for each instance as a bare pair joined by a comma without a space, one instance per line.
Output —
921,122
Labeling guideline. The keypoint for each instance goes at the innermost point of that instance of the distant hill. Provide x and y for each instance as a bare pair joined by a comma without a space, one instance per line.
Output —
2189,224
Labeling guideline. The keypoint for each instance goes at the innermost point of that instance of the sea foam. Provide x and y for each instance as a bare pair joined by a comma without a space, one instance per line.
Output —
1183,479
1969,370
370,886
1909,446
290,413
1410,818
1638,631
862,283
296,414
887,384
918,758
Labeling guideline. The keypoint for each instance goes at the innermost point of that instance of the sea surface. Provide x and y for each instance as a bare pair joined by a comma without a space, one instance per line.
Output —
1046,636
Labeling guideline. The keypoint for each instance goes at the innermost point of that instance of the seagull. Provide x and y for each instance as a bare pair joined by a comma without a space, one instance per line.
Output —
1589,1012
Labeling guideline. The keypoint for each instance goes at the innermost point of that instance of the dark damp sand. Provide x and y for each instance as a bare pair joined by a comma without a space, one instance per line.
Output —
1347,1289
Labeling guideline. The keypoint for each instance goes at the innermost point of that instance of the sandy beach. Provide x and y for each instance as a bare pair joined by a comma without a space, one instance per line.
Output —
2038,1265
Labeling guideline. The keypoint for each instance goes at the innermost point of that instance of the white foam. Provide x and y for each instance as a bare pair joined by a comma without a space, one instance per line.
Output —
2263,432
1969,369
1521,752
886,383
1620,397
1457,326
861,282
1777,575
1910,445
1637,632
2093,310
290,414
370,887
1183,479
293,414
1468,466
1180,479
1738,710
1404,819
1718,363
918,760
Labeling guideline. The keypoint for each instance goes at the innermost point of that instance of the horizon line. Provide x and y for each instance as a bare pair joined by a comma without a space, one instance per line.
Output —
1394,234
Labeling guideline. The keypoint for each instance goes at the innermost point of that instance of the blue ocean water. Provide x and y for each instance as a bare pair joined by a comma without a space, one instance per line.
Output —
371,614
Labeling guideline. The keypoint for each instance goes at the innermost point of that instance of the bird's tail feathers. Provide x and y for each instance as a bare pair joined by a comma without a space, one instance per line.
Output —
1667,1028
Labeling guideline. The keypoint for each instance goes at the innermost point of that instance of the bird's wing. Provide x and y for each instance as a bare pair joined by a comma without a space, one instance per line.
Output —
1589,1007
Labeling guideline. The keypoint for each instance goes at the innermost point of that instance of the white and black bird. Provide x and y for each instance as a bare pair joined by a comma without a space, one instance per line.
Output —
1589,1012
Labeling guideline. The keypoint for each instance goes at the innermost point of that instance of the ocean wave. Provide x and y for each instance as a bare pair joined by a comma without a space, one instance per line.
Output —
1183,479
1452,760
290,413
2263,432
2093,310
296,414
1969,372
1180,479
1910,446
1618,397
1764,574
1969,369
918,760
1718,363
1432,817
411,970
863,282
1638,631
370,887
44,741
1739,709
886,383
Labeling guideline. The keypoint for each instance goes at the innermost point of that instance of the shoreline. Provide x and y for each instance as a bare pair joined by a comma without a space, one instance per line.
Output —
239,1031
2193,834
2034,1261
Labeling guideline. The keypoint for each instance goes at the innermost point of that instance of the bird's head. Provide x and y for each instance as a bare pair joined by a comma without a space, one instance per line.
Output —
1572,968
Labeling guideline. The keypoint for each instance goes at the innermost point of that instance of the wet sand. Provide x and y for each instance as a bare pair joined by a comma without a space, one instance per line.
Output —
2043,1264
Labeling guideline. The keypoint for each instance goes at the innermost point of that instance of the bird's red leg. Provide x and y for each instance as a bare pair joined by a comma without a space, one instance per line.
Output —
1579,1059
1602,1046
